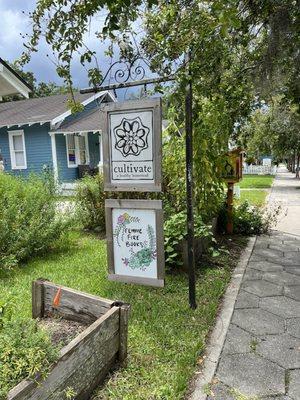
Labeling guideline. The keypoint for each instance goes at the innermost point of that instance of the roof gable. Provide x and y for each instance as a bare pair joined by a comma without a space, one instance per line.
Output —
52,109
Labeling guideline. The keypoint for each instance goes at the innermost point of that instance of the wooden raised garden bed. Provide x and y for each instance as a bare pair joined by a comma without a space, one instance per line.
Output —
84,362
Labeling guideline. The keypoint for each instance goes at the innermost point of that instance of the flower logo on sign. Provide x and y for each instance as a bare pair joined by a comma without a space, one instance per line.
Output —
131,137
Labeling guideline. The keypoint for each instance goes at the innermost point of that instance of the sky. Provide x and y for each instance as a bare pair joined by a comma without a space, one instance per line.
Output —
14,20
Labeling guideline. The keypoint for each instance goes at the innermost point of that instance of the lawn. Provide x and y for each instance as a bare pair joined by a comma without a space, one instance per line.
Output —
254,197
166,338
256,181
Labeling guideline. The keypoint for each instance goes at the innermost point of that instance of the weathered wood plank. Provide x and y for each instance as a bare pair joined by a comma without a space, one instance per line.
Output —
38,298
82,377
86,393
124,318
74,305
80,364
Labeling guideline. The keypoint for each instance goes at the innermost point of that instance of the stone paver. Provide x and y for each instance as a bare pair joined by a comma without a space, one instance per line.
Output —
246,300
265,266
282,278
237,341
281,305
293,327
287,353
268,253
294,384
258,322
251,375
290,246
262,288
261,353
293,292
292,269
293,255
220,391
252,274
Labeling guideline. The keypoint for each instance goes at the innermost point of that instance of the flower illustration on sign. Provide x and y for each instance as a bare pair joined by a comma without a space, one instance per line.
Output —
142,258
131,136
122,221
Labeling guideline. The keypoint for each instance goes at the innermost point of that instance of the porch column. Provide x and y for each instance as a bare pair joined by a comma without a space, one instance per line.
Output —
54,156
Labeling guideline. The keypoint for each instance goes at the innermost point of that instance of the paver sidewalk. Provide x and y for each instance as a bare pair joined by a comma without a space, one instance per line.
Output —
286,192
260,358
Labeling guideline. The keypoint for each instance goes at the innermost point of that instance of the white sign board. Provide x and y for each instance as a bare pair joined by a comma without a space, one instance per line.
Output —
132,145
135,241
267,162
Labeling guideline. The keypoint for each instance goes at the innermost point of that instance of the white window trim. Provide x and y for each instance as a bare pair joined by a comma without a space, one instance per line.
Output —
11,134
87,150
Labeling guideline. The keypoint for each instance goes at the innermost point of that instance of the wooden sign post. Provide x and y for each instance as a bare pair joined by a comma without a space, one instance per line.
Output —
135,241
233,173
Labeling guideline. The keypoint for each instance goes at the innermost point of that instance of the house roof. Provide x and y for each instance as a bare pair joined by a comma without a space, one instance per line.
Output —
89,122
40,110
11,82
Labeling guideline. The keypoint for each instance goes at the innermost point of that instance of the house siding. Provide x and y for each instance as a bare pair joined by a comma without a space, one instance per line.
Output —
65,174
37,146
94,147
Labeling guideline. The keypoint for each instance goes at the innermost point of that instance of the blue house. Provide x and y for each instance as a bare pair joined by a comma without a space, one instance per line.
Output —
42,133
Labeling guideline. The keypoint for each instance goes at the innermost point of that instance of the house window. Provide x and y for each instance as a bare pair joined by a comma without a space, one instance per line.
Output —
77,150
17,150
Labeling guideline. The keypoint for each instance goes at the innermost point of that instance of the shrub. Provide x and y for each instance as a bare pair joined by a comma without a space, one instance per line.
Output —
90,208
25,350
175,231
28,221
248,219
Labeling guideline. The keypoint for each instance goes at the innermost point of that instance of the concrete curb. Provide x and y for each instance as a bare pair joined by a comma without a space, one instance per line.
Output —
218,336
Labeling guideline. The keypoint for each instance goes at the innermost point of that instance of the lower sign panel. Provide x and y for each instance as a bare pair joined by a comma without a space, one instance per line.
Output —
135,241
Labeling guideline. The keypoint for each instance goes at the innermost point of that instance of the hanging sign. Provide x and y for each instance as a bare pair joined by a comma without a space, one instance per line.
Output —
132,145
135,242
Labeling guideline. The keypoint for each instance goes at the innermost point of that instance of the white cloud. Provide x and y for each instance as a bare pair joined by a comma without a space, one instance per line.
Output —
14,22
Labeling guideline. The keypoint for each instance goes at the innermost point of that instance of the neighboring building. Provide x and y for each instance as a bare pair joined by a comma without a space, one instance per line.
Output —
12,83
266,160
42,133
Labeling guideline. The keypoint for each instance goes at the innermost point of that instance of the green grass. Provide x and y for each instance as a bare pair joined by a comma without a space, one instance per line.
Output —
166,338
254,197
256,181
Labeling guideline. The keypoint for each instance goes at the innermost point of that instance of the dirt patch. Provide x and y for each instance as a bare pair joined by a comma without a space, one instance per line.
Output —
61,331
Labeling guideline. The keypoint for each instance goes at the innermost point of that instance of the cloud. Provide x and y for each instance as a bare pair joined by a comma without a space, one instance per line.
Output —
14,21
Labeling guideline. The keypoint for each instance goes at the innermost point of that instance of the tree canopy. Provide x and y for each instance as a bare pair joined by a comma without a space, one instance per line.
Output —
242,52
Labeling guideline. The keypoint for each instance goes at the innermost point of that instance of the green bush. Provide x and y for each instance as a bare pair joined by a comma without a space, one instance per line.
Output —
249,219
90,208
175,231
25,350
29,223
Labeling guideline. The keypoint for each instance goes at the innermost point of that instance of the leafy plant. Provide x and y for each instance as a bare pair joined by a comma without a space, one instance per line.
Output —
90,208
70,393
175,232
249,219
25,351
29,223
